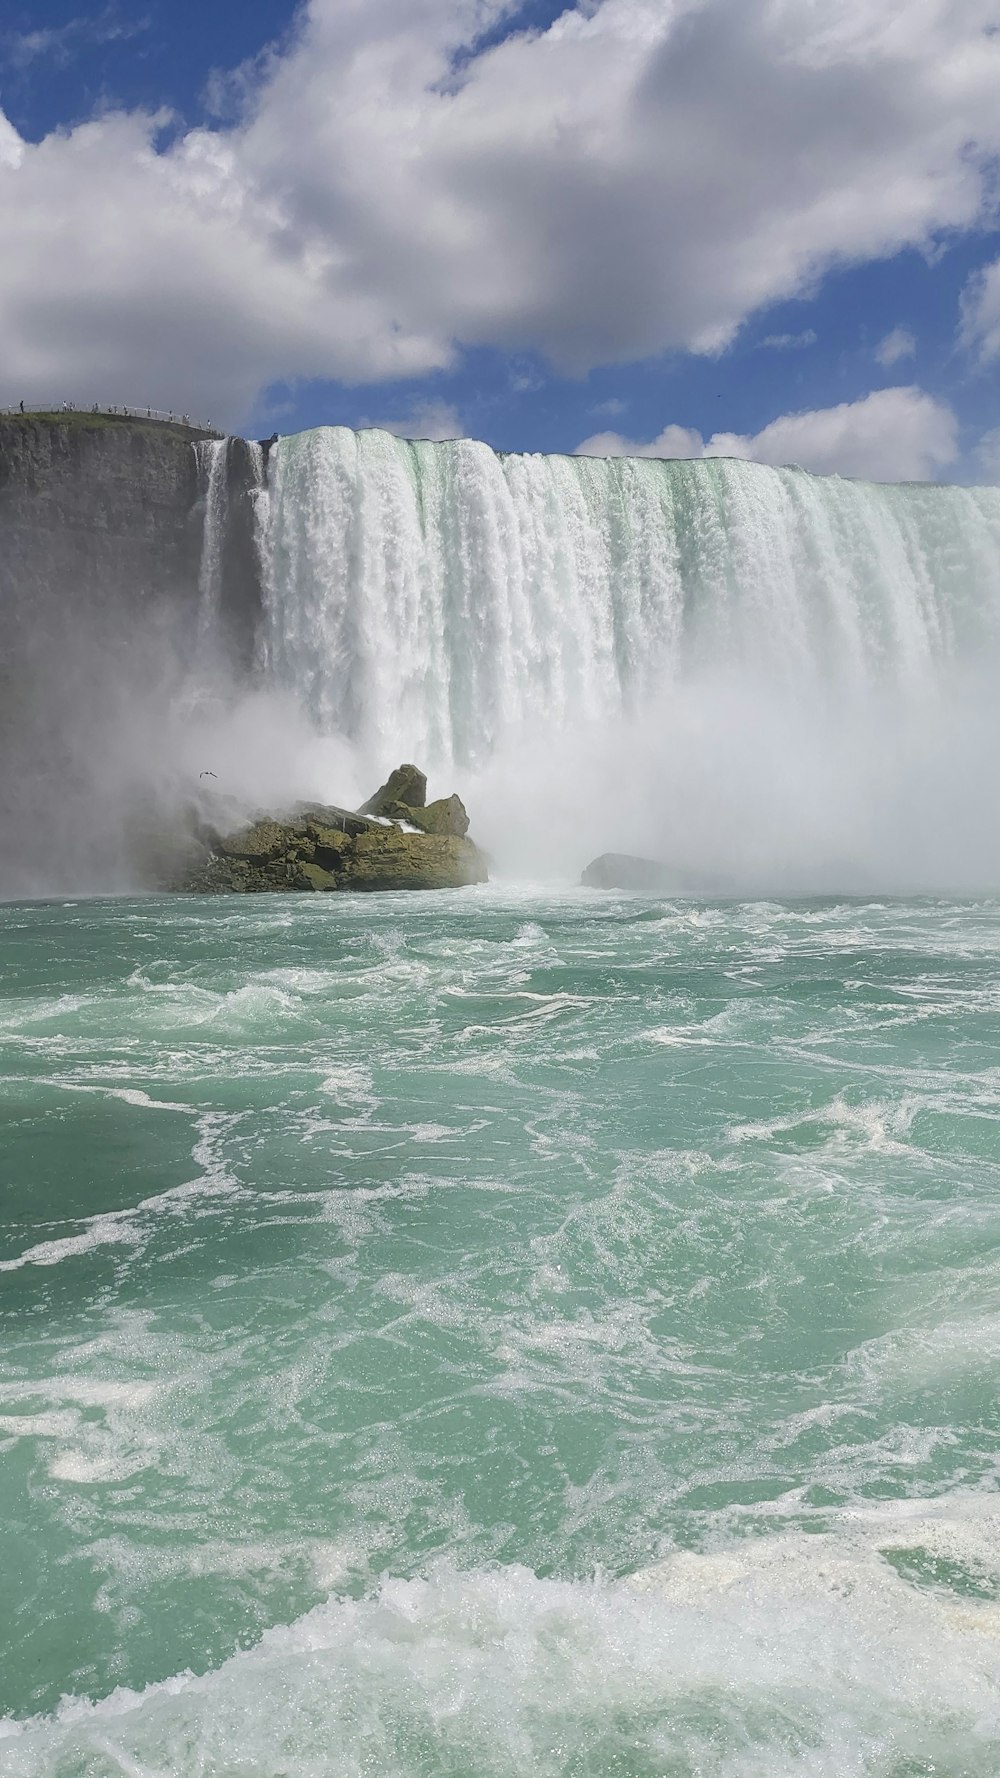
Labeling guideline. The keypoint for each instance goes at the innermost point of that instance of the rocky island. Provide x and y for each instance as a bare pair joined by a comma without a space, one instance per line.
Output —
397,840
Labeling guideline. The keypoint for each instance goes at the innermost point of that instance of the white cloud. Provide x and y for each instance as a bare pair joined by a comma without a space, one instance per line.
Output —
610,409
11,146
426,419
673,441
987,455
59,43
639,177
524,378
981,313
891,435
900,343
789,342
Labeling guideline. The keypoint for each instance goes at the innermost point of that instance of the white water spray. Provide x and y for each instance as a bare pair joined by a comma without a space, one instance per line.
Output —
435,596
754,668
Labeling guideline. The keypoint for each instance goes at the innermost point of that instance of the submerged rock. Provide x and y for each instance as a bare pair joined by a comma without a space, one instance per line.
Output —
647,876
617,870
322,848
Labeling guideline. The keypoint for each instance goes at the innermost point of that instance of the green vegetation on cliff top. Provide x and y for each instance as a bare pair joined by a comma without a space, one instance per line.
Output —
83,420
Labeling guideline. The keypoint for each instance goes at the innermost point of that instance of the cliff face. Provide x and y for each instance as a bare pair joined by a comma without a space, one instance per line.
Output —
92,506
101,535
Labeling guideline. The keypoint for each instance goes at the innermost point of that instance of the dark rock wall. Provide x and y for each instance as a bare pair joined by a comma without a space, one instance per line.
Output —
97,509
101,531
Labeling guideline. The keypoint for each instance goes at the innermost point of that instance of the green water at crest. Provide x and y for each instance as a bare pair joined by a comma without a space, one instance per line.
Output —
385,1284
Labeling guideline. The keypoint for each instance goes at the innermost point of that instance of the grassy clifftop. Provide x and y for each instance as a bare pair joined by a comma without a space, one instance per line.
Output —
83,420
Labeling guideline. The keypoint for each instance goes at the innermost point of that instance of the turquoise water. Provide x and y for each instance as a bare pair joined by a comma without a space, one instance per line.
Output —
500,1333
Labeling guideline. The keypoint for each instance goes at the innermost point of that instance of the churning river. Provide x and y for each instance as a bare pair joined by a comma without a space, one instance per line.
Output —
500,1333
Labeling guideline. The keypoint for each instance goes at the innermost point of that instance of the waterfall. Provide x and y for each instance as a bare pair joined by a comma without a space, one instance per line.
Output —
260,500
233,490
434,599
213,476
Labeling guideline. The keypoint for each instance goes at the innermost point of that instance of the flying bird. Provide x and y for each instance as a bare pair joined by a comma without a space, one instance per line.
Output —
208,774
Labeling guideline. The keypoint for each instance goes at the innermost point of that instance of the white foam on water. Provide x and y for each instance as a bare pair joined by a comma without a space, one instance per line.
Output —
86,1392
88,1468
437,1132
783,1657
874,1124
33,1012
683,1037
814,1655
736,1026
115,1229
253,1006
104,1436
133,1568
350,1083
37,1425
136,1096
133,1227
930,1355
129,1095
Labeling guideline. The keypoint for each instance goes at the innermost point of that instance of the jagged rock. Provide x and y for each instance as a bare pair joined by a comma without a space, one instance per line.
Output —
392,859
447,815
326,846
311,876
265,839
323,848
332,819
407,785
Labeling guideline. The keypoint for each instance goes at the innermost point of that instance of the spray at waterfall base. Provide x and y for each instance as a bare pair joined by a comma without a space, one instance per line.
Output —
777,680
753,674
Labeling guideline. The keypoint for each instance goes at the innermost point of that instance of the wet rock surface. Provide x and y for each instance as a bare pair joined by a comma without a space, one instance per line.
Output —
319,848
407,785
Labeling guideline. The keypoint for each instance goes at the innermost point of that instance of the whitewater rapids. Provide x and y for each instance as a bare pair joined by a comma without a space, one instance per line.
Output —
500,1332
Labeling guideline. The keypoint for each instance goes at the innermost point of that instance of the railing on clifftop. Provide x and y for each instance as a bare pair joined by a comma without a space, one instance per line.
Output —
21,409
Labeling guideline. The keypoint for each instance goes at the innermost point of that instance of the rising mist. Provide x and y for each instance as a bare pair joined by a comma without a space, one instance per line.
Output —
772,682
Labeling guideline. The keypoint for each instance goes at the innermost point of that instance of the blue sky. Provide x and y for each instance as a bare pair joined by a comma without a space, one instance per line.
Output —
642,223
